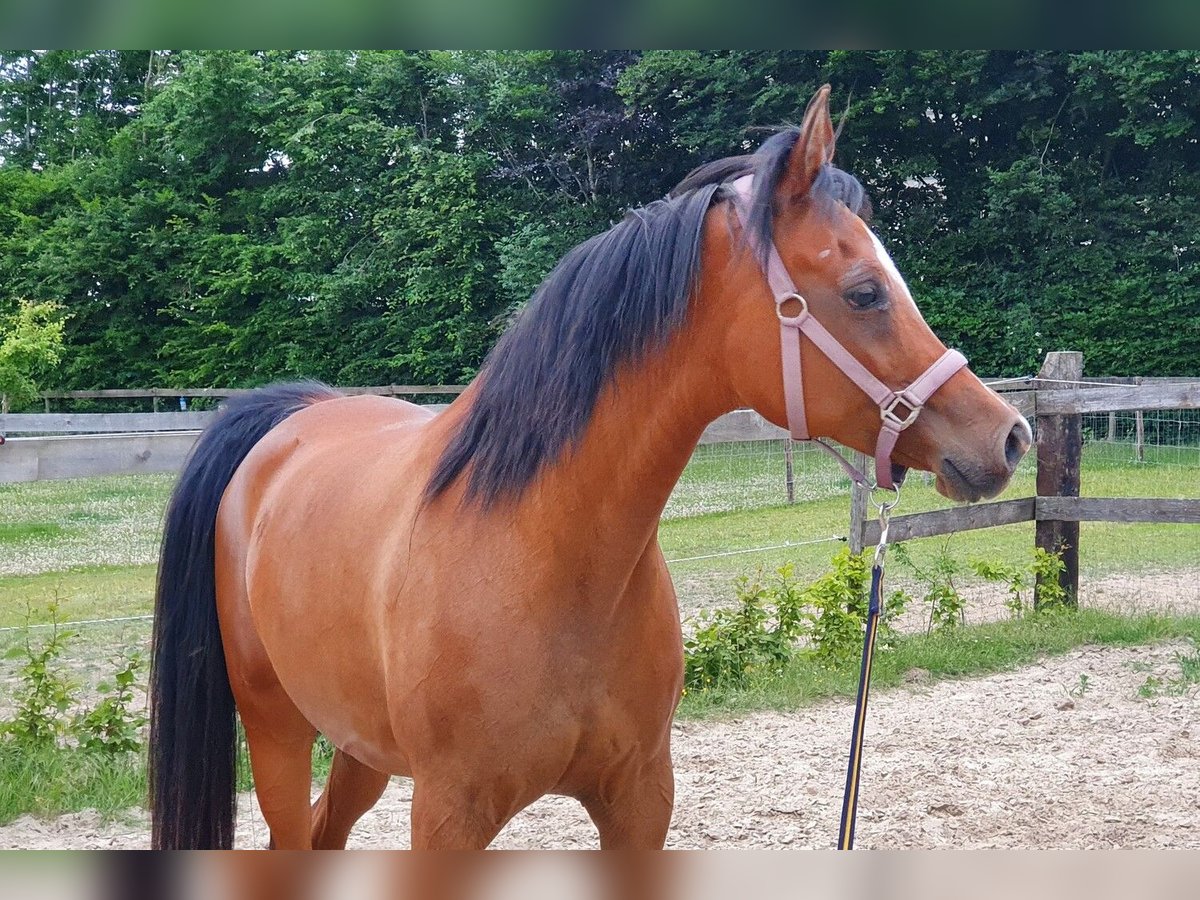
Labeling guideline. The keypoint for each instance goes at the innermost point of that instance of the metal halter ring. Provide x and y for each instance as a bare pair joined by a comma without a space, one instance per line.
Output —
791,320
888,413
887,505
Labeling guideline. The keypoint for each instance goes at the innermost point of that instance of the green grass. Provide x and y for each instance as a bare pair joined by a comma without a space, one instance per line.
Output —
48,782
95,592
57,526
19,532
952,653
53,781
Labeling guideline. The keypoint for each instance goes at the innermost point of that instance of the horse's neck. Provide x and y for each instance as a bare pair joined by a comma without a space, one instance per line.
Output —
609,492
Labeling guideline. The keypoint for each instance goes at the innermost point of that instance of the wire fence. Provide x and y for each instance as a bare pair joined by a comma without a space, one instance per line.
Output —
752,475
1166,439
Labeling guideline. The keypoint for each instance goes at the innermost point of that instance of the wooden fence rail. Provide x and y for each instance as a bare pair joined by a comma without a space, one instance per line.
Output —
160,441
386,390
101,423
157,395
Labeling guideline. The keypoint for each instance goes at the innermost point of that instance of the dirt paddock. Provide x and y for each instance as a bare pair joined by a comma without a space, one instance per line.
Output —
1013,760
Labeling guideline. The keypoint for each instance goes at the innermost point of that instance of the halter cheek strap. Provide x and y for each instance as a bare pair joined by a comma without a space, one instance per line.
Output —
898,409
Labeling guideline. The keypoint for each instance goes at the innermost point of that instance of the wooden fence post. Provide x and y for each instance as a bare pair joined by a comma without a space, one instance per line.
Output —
1059,448
1139,426
858,504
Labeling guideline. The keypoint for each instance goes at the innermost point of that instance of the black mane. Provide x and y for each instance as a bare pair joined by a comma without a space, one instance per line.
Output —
613,299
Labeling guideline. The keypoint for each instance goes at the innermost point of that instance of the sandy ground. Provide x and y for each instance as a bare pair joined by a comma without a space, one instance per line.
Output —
1012,760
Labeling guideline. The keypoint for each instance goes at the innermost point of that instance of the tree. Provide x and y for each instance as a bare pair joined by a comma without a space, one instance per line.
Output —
57,106
31,341
229,217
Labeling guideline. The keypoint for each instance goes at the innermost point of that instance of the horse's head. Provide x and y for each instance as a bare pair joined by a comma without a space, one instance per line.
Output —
848,283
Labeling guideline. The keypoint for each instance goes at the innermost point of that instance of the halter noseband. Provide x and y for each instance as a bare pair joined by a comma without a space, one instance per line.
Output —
898,409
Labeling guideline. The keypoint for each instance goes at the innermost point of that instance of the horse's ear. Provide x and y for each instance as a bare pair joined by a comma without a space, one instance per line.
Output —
813,149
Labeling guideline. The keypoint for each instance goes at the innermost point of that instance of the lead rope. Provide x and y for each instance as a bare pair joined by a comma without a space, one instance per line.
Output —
854,766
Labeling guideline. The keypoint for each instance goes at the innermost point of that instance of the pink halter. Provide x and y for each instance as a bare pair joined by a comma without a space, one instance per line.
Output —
898,409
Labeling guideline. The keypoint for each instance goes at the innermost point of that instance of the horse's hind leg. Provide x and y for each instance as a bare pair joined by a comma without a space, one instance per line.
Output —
279,737
280,745
352,789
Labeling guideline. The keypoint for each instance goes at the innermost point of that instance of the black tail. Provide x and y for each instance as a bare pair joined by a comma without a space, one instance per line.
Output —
193,722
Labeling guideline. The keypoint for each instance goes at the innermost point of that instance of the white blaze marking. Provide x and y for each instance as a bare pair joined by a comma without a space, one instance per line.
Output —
824,253
885,261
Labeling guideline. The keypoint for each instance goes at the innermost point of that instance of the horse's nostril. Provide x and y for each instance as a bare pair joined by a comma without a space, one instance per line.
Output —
1016,444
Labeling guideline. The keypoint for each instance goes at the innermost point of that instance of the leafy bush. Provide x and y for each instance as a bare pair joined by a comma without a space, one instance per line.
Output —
946,604
837,605
731,645
1013,578
114,725
1044,567
775,620
45,696
45,692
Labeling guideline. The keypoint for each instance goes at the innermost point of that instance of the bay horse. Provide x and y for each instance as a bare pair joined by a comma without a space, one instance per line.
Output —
478,599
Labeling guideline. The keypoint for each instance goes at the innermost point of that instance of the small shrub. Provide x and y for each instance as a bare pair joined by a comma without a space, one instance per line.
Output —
946,604
44,693
114,725
758,634
1046,569
45,697
1014,579
837,608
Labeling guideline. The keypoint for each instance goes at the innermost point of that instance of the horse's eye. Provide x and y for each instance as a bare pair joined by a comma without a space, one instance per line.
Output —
862,297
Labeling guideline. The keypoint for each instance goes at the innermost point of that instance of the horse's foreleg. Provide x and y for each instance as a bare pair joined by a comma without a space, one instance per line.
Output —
632,808
455,817
352,789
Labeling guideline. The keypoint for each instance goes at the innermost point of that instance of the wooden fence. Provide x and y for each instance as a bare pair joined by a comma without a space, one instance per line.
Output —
80,445
127,443
1057,399
182,395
